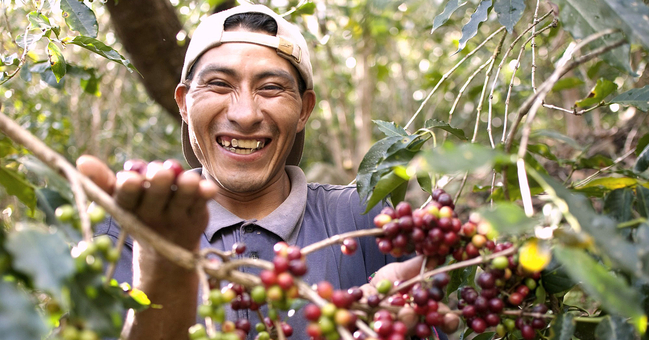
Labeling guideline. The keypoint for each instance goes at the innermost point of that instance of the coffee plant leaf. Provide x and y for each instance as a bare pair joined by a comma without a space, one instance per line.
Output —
602,89
642,163
606,184
28,40
368,173
386,185
16,185
541,150
567,83
509,12
642,143
485,336
443,17
57,61
562,327
618,204
19,319
585,17
451,158
425,183
599,282
44,257
614,327
471,28
636,97
642,201
555,279
390,128
7,147
93,45
438,124
80,17
48,177
38,21
101,307
461,277
508,218
596,162
556,136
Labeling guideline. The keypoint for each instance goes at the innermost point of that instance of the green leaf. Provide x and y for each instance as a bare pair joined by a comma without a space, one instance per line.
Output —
16,185
425,183
384,187
507,218
542,150
96,46
442,18
636,97
44,257
368,175
562,327
557,136
606,184
642,143
485,336
390,129
642,200
438,124
509,12
618,204
461,277
57,62
601,90
471,28
642,163
583,18
599,283
38,21
50,178
567,83
450,158
80,18
18,317
614,327
555,279
306,9
29,40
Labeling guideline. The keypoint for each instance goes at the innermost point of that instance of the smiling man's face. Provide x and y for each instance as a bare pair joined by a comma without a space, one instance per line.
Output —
243,110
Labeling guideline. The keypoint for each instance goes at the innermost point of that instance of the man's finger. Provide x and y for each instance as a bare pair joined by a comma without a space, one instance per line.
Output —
98,172
128,189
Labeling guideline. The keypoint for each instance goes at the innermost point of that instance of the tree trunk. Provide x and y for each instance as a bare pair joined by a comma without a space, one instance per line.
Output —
147,30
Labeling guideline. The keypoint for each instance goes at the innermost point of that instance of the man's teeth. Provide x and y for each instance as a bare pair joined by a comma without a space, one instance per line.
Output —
241,146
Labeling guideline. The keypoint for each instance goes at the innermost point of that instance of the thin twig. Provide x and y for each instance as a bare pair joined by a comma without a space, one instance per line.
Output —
447,74
340,238
224,256
511,81
615,162
23,58
205,298
457,265
493,58
81,201
536,13
118,246
461,92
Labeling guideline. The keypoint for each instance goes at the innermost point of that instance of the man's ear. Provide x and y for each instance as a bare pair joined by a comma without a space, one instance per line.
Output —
308,103
179,95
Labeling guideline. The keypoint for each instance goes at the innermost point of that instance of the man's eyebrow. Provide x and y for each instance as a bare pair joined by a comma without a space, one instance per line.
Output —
276,73
212,68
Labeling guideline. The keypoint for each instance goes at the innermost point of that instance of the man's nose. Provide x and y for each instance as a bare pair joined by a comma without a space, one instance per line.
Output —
245,111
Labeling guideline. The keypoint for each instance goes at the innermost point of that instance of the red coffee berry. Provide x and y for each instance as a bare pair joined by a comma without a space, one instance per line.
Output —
173,165
478,325
356,293
406,223
239,248
349,246
422,330
243,324
523,290
312,312
280,263
381,219
538,323
492,319
135,165
341,299
436,193
325,290
486,280
285,280
496,305
297,267
403,209
469,312
528,332
287,329
390,212
515,299
434,319
373,300
441,280
268,278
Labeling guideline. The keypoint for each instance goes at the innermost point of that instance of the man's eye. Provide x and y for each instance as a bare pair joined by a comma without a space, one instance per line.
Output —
272,88
219,83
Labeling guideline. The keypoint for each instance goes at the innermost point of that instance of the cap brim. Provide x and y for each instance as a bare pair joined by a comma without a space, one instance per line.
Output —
294,157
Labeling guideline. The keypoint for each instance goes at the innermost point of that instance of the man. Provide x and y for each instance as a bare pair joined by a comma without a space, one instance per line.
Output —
245,96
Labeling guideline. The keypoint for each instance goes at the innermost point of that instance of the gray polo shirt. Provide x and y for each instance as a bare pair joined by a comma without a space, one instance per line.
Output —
312,212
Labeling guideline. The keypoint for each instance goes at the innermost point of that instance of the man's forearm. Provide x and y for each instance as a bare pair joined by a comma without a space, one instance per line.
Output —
172,288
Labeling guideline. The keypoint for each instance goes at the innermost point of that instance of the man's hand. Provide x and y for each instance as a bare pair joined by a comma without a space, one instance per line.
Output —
402,271
175,207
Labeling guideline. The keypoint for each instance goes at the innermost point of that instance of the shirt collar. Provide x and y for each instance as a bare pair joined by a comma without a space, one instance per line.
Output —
285,221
